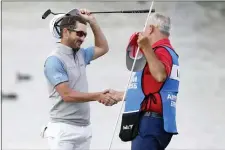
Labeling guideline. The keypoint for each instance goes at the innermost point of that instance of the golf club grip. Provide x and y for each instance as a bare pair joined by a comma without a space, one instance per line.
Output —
46,14
124,11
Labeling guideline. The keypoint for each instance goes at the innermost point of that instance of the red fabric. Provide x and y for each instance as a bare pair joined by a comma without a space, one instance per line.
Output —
133,43
150,85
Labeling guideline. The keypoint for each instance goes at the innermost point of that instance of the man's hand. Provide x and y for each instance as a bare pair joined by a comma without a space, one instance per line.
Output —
143,42
156,67
85,14
116,95
106,98
101,43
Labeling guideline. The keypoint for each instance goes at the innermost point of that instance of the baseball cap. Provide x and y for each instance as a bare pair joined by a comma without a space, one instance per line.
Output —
131,53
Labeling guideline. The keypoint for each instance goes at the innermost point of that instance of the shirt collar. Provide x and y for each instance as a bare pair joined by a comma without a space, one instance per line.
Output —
65,49
164,41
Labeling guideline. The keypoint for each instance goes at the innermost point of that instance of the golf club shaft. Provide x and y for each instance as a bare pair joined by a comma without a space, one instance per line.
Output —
124,11
48,12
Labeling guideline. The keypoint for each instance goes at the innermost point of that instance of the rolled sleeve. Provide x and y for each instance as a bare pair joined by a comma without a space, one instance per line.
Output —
54,71
88,54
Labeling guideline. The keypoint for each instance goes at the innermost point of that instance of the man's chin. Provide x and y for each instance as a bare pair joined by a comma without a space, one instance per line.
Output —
77,46
76,49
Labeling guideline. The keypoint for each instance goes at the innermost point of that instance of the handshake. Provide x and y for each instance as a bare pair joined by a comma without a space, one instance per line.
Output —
110,97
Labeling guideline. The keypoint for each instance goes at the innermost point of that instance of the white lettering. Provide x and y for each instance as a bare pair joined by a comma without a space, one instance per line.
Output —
127,127
175,73
134,79
172,97
133,84
57,76
173,104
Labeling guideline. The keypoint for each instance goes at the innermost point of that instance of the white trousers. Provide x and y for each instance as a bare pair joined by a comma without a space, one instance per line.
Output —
63,136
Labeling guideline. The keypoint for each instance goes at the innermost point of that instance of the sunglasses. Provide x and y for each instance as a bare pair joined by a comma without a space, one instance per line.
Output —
79,33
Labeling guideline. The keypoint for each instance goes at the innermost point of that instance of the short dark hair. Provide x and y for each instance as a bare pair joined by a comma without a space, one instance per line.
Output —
70,22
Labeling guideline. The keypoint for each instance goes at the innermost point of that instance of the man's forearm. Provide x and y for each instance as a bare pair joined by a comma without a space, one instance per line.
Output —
156,67
75,96
100,39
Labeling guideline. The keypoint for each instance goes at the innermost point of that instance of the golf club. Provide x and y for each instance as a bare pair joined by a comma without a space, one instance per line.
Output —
48,12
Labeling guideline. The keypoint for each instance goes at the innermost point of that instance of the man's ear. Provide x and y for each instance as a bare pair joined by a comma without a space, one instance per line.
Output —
151,29
148,30
65,33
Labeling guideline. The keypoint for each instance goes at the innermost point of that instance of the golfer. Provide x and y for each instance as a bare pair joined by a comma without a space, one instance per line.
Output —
65,71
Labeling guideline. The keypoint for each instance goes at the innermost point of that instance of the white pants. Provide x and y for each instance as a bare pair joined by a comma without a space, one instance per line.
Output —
63,136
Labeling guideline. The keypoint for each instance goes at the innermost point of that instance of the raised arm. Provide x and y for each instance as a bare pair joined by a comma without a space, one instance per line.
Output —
101,43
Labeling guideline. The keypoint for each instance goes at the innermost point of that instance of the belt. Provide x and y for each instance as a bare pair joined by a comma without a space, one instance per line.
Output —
153,114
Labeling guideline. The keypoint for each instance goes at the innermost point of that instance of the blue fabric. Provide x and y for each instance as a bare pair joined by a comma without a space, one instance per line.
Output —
54,71
134,94
151,135
88,54
168,93
169,97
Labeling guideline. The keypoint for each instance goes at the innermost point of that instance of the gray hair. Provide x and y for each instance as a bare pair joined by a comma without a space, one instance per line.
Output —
161,21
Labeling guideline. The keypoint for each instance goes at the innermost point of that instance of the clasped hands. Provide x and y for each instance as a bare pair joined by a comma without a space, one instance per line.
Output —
110,97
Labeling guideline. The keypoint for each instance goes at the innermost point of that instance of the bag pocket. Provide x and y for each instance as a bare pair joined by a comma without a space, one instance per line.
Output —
129,126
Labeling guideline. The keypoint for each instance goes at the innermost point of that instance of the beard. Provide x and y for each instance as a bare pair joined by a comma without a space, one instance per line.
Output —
75,49
75,45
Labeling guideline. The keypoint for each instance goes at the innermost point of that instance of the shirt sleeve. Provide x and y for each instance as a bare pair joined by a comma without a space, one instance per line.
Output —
88,54
164,56
54,71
